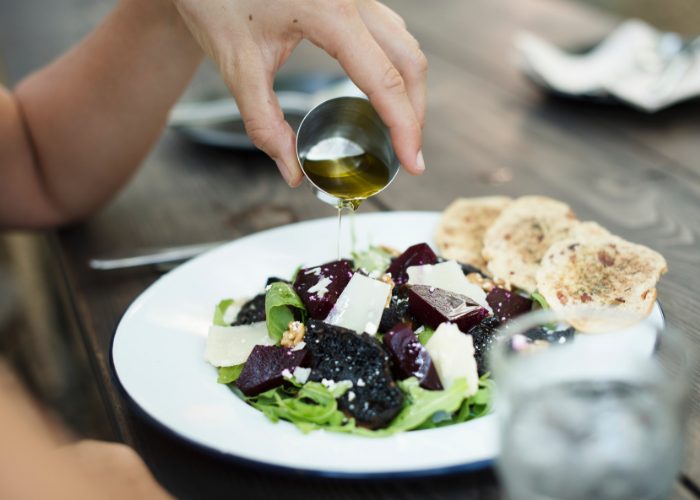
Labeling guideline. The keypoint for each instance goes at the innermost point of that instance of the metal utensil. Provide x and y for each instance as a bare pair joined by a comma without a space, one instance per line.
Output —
343,127
152,257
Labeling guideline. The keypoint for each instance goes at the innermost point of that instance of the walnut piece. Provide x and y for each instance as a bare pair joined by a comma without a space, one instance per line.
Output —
487,284
294,334
387,279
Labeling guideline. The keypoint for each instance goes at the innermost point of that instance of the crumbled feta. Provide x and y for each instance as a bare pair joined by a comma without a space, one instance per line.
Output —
351,396
299,346
302,374
360,382
321,288
287,374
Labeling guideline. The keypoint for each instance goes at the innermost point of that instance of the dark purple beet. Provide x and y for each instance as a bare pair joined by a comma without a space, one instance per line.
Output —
263,370
416,255
507,305
319,304
409,358
432,306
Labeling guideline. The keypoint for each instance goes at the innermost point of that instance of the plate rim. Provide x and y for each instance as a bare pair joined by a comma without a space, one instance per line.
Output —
472,466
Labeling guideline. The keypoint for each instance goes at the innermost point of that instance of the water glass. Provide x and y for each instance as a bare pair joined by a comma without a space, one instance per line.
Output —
596,414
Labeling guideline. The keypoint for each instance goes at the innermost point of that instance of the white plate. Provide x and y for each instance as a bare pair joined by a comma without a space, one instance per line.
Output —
158,347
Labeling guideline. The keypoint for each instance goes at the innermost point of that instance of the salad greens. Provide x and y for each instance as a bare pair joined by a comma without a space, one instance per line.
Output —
539,299
424,336
229,374
313,406
220,312
280,302
374,259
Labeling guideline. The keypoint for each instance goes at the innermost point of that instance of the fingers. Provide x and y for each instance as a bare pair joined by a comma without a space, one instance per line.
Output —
344,35
251,84
389,30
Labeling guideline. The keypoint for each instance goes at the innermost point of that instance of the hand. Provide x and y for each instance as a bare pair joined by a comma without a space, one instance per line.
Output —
114,469
250,39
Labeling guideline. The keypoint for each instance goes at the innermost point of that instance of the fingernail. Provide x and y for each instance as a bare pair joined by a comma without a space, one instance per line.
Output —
420,163
285,171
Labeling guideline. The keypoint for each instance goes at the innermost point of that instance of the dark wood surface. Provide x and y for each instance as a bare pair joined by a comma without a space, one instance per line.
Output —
488,131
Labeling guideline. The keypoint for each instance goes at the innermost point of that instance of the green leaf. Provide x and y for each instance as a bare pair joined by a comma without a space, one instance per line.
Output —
280,302
296,273
220,311
425,334
374,259
423,404
229,374
540,300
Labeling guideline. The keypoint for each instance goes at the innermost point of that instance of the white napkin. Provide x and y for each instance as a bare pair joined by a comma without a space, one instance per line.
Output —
636,64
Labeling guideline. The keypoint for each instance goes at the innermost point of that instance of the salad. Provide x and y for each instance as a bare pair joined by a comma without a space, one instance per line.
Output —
382,343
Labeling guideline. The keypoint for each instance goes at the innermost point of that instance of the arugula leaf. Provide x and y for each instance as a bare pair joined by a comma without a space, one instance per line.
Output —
539,299
229,374
220,311
374,259
425,334
423,404
280,300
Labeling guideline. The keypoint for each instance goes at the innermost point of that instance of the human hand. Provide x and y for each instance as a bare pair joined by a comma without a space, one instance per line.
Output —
115,469
249,40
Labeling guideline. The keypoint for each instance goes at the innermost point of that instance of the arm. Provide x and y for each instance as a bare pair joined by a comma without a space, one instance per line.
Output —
74,132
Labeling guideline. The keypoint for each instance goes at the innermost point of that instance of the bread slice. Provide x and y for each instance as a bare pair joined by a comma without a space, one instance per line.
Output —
600,271
460,233
520,236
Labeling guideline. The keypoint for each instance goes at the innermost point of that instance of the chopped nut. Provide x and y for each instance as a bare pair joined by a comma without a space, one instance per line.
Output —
387,279
487,284
390,250
294,334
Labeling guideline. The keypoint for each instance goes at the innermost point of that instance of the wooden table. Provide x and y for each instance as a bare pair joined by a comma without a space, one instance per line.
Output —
488,132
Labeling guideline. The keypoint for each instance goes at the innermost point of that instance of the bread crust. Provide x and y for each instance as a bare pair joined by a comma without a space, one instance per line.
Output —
460,232
520,236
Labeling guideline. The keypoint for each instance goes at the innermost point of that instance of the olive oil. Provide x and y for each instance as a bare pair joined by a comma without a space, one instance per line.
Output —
351,179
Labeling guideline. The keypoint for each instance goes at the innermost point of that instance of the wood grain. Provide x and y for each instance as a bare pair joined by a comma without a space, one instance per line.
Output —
489,131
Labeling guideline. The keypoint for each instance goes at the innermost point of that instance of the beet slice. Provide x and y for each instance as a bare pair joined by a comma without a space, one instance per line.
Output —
507,305
320,286
337,354
416,255
410,358
433,306
263,370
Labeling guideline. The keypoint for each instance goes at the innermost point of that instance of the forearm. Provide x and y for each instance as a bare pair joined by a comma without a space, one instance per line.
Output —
91,116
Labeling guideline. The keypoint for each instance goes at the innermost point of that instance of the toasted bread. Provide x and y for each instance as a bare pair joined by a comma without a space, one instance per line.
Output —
600,271
520,236
460,233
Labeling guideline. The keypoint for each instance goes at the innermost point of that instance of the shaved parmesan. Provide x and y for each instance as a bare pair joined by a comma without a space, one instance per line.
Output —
360,305
231,345
452,353
447,276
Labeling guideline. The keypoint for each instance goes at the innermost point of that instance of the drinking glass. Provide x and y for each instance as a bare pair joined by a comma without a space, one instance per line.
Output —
596,414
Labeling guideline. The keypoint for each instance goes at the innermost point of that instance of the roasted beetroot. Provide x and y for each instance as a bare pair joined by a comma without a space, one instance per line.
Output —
264,368
409,358
319,287
432,306
507,305
415,255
